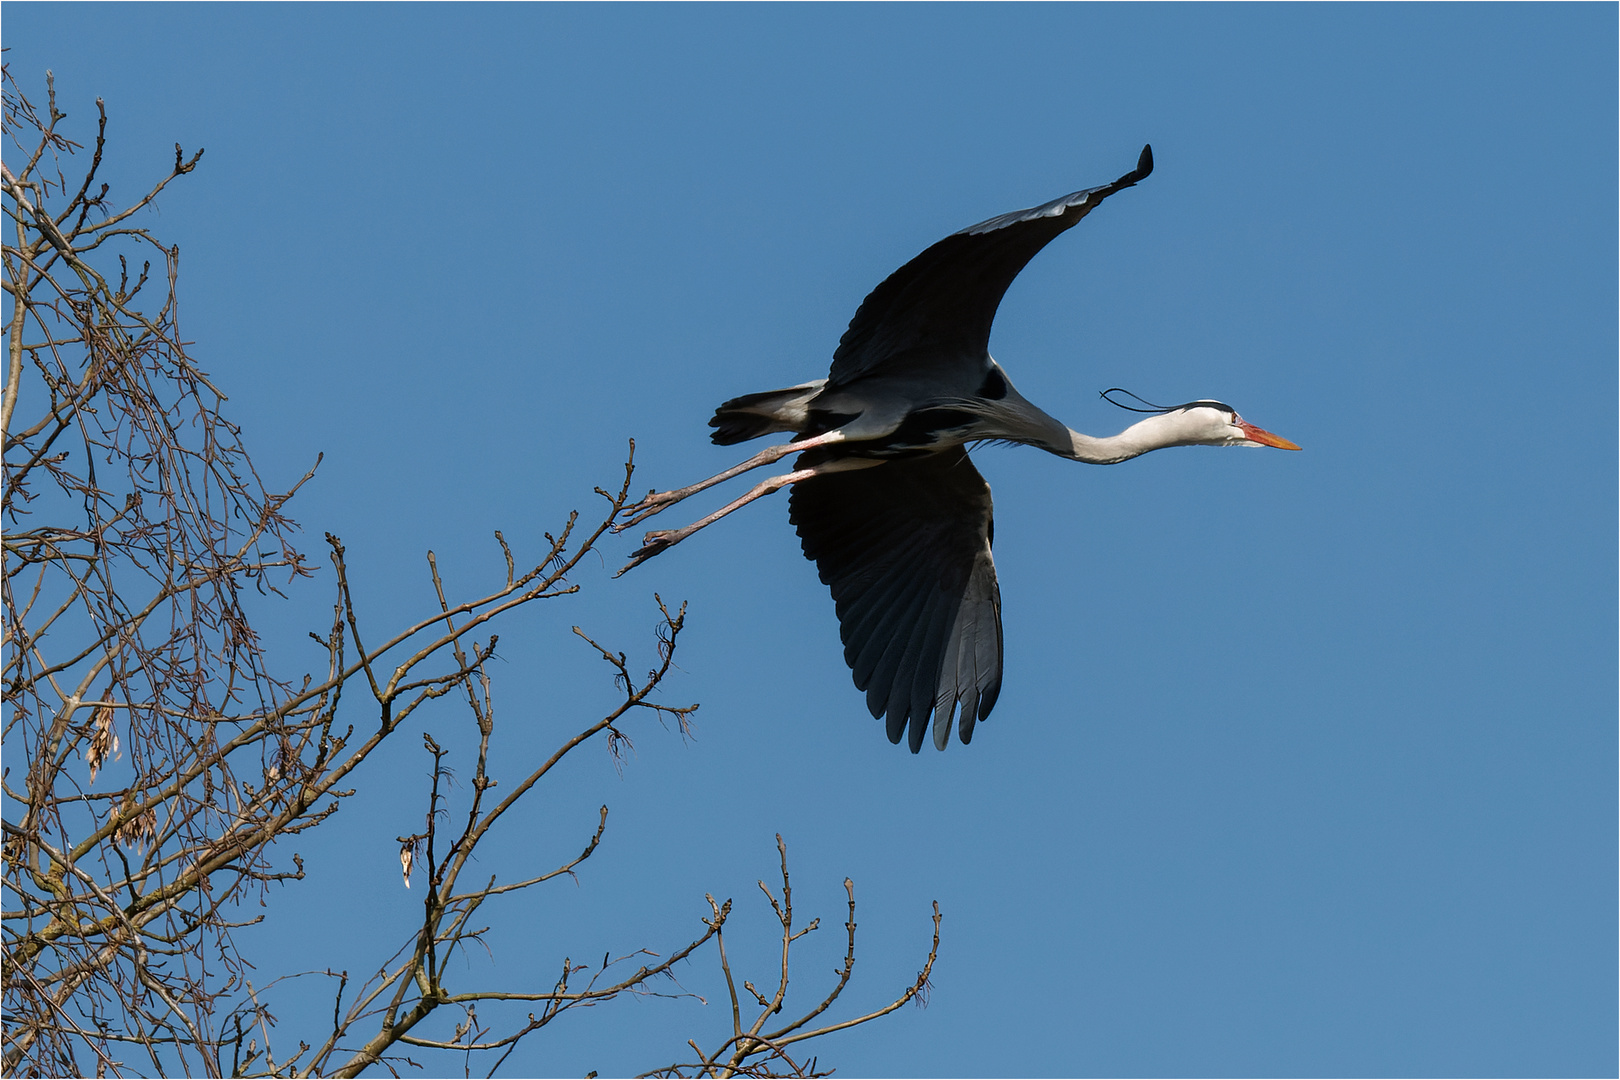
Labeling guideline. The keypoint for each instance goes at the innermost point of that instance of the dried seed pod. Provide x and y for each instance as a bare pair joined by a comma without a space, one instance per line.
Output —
138,830
103,741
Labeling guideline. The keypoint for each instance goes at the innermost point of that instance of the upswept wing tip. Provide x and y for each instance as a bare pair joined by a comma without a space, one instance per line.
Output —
1144,166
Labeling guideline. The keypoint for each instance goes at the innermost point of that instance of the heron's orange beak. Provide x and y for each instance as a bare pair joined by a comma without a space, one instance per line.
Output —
1264,437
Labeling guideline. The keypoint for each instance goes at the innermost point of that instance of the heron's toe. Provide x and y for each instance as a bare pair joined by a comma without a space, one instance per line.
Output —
651,545
655,541
646,508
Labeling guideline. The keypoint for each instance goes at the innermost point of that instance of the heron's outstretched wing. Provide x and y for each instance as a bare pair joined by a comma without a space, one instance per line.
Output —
945,299
905,548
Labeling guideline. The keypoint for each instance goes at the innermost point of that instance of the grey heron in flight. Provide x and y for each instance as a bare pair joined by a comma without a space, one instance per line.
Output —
885,499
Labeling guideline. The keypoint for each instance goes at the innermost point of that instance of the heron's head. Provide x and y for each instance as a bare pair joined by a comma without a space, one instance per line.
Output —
1203,423
1214,423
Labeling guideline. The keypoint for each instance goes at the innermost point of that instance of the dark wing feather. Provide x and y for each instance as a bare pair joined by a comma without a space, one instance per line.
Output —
946,298
905,548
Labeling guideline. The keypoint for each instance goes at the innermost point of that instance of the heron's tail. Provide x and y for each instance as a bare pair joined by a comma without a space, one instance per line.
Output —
753,415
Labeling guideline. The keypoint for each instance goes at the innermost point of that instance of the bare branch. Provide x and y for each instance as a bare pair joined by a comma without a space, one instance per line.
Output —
158,770
756,1052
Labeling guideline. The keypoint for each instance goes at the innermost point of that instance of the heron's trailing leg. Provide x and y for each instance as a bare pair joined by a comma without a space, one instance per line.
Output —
659,540
657,501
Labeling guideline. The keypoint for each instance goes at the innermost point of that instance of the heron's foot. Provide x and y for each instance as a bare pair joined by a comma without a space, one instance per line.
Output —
655,502
651,545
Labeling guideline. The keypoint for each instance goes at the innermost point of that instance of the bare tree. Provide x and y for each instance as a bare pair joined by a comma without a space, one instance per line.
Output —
137,532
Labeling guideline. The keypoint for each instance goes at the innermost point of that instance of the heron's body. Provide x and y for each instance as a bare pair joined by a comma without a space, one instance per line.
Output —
885,499
896,415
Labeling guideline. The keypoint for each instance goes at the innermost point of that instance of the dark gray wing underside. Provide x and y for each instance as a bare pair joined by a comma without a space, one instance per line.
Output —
946,298
905,548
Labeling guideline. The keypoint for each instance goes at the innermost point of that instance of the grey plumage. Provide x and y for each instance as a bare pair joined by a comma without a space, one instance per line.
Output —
885,500
905,550
942,302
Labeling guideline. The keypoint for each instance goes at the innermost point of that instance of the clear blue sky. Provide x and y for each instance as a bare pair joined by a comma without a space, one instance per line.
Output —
1305,763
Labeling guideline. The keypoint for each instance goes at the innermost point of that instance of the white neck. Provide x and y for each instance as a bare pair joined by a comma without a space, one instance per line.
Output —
1154,433
1017,419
